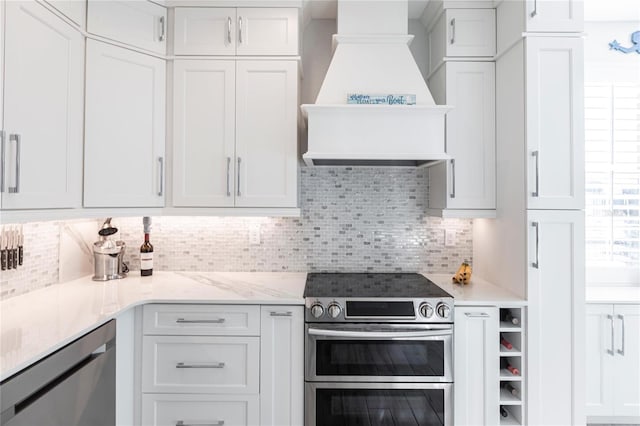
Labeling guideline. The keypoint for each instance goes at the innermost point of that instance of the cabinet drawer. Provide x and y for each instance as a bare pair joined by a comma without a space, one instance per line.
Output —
198,320
139,23
184,364
227,410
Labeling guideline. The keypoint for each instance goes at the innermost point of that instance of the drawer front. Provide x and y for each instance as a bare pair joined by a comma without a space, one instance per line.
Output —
138,23
201,320
227,410
184,364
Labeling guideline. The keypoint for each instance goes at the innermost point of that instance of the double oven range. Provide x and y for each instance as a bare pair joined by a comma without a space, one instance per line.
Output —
378,350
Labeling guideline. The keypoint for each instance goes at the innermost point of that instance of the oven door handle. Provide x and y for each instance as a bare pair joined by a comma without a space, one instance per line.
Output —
377,334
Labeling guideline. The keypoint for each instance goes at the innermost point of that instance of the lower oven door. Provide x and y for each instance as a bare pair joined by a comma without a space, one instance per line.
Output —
394,404
378,353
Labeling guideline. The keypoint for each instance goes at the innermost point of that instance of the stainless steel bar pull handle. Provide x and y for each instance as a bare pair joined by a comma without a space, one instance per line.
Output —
238,174
16,138
162,29
611,351
621,350
229,29
216,365
214,423
536,264
534,12
453,30
228,177
281,314
161,168
476,314
377,334
453,179
2,163
201,321
536,155
240,29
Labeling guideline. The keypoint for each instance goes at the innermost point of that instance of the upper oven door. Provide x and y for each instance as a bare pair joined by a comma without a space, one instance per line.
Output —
378,353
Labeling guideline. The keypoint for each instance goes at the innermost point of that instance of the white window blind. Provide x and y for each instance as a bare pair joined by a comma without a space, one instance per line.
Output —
612,148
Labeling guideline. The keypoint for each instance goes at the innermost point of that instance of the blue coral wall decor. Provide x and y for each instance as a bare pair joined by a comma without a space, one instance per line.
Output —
635,44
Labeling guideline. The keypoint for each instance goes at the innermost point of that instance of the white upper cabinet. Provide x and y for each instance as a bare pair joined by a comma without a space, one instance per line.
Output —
241,31
554,15
467,181
140,24
555,123
43,103
204,123
125,128
76,10
266,133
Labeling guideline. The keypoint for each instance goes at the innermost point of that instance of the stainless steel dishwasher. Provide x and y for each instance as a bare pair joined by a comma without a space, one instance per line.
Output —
74,386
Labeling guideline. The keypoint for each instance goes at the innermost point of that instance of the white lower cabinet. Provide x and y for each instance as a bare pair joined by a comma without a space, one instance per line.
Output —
476,366
215,378
613,363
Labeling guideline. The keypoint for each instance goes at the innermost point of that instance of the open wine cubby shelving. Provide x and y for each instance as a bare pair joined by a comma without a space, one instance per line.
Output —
515,334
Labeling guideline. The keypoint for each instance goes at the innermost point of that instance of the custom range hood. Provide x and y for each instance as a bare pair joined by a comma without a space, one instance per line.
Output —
372,57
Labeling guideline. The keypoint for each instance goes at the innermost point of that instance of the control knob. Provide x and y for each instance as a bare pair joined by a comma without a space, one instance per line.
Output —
426,310
317,310
443,310
334,310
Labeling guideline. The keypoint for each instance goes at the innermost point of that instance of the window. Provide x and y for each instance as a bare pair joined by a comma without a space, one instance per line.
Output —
612,149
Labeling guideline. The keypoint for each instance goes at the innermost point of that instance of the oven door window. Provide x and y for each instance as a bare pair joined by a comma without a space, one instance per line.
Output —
397,407
380,358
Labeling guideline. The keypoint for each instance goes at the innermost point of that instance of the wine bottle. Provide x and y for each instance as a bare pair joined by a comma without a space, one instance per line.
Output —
505,365
505,315
20,246
4,242
509,388
504,413
146,250
504,342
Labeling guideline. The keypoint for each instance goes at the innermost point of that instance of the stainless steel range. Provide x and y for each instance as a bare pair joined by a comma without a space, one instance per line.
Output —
378,350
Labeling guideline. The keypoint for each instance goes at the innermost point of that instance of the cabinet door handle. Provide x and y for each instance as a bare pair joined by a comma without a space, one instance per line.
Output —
202,321
216,365
534,12
214,423
229,29
162,29
281,314
536,264
453,30
621,318
161,167
228,177
453,179
238,175
16,138
536,155
612,328
240,29
477,314
2,164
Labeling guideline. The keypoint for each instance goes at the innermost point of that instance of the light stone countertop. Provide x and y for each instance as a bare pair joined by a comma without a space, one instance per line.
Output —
36,324
613,294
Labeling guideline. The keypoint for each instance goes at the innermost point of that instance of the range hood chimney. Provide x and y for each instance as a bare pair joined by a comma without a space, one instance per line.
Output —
372,57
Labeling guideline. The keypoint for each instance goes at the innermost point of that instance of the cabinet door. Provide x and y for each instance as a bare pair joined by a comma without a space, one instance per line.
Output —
554,15
139,23
266,133
470,32
281,366
267,31
72,9
555,291
124,131
43,103
555,123
476,365
471,135
627,361
599,360
204,133
204,31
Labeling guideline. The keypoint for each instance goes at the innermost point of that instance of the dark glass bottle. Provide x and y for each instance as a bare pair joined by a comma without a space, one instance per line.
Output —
146,257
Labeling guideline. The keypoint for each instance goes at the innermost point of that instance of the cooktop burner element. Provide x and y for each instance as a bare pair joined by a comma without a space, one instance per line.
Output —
379,297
